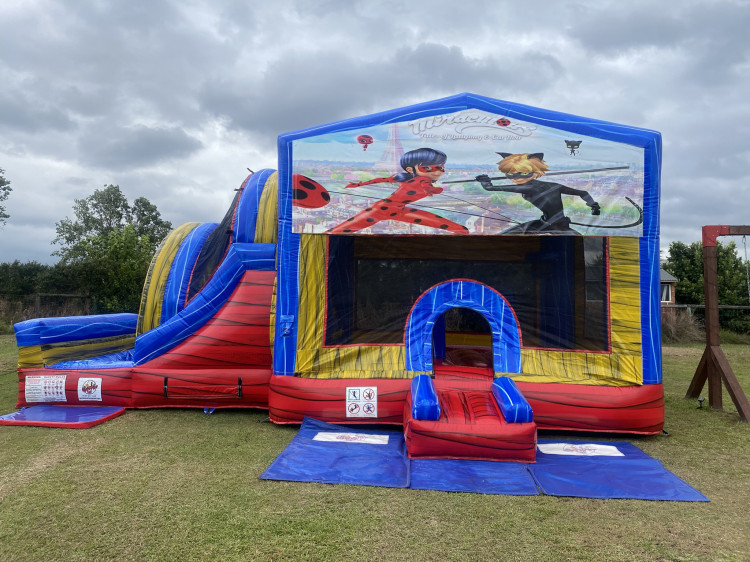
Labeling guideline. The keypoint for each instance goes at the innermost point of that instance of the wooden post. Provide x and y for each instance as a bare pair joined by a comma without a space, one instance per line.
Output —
713,366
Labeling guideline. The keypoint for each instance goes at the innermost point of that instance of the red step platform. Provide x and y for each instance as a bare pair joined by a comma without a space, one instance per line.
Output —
470,426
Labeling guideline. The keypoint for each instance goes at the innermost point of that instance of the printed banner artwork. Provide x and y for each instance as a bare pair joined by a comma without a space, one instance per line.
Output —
45,388
469,172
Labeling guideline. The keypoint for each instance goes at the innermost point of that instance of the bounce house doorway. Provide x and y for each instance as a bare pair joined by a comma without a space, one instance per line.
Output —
462,337
425,336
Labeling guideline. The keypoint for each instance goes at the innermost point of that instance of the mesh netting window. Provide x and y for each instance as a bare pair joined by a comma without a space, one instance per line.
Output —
555,284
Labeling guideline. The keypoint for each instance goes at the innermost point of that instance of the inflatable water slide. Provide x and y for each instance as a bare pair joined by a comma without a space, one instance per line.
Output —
201,338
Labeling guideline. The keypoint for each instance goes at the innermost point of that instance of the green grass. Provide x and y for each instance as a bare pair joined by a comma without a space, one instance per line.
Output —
179,485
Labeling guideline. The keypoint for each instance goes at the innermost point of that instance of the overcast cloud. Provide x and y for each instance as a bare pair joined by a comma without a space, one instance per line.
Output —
173,100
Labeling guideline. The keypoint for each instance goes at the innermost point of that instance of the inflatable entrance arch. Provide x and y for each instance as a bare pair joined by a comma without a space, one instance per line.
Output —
463,293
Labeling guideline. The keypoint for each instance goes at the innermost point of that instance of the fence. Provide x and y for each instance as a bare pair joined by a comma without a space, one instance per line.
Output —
17,308
731,318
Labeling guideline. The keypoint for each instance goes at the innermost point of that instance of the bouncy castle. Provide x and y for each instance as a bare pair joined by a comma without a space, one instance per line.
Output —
469,268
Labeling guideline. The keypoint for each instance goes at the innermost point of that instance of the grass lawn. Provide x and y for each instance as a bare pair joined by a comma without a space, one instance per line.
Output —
179,485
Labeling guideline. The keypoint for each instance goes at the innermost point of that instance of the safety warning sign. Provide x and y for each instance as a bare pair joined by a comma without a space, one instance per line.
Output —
361,401
45,388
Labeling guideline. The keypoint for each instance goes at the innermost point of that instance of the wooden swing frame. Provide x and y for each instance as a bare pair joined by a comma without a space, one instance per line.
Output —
714,366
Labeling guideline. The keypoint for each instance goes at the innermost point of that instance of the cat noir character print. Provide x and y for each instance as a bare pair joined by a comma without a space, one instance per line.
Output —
573,146
422,167
523,170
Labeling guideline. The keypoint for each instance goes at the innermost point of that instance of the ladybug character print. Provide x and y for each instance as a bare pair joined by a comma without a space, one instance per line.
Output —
307,193
365,141
422,168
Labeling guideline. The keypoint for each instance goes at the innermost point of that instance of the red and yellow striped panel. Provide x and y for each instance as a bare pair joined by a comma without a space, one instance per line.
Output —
236,337
30,356
149,315
267,221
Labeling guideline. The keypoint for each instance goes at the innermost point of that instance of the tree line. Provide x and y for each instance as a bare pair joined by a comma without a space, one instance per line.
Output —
685,262
104,252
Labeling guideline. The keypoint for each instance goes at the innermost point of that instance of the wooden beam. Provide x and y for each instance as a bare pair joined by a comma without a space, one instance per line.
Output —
732,384
700,376
714,366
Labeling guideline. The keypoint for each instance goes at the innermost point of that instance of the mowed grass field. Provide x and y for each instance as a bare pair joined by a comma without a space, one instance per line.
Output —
179,485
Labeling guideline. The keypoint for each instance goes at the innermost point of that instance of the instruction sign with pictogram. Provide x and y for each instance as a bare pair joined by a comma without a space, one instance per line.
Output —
361,402
45,388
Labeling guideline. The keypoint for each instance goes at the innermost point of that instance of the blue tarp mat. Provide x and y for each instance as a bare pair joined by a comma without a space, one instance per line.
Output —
79,417
345,460
634,475
573,468
486,477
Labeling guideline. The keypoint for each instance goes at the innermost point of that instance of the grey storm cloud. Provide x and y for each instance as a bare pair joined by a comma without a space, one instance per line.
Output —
335,85
172,100
136,146
32,114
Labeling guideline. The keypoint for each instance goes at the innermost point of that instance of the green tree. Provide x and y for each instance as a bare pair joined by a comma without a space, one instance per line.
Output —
18,278
108,246
114,269
685,262
5,190
107,210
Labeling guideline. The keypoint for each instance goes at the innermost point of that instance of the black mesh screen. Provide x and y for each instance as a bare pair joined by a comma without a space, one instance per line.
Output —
555,284
212,252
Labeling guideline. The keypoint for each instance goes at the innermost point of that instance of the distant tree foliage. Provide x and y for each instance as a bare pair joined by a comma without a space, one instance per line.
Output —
102,213
28,278
108,247
21,278
113,269
5,190
685,262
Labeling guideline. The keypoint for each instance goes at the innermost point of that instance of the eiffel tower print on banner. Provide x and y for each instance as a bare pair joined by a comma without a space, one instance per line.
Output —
390,161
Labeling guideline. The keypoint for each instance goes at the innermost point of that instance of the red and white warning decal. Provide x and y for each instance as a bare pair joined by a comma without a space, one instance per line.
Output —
580,449
336,437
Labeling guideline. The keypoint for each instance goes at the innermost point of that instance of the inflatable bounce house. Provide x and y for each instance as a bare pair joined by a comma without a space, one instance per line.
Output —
470,268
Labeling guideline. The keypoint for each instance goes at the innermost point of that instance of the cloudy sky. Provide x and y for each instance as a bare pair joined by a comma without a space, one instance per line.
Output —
174,99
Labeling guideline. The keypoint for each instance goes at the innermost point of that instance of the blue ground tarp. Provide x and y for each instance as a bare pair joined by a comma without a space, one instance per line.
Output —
346,459
75,417
327,453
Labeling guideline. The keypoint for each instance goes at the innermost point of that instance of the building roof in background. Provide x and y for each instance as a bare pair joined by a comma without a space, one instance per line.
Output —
666,277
